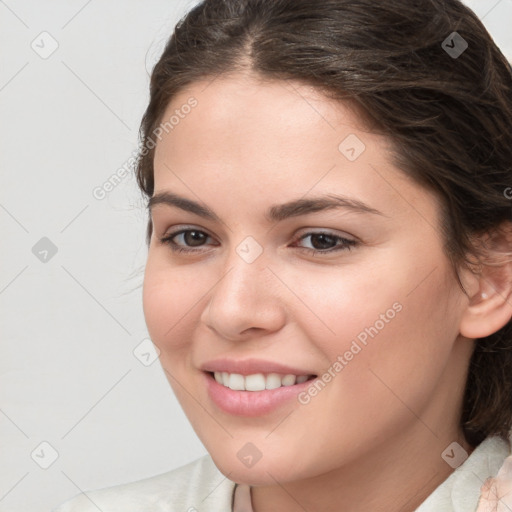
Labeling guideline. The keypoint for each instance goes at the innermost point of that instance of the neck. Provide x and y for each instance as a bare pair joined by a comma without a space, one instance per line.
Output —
397,477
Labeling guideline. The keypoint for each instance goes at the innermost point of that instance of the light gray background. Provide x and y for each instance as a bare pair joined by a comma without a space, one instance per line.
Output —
70,325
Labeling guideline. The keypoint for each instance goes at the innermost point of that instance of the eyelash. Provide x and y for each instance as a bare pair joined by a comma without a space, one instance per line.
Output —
346,244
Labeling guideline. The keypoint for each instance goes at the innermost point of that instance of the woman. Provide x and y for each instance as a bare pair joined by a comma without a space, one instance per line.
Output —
329,274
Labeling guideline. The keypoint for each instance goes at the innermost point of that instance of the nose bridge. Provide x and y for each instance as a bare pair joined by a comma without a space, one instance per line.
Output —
246,270
245,297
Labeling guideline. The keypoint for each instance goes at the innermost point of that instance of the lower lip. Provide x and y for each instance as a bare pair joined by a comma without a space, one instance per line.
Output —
251,403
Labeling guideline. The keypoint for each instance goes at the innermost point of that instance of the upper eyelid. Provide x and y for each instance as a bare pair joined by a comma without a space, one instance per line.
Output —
345,243
304,232
180,230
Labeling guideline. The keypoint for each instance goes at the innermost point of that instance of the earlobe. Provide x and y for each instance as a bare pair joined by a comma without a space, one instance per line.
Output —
490,307
486,316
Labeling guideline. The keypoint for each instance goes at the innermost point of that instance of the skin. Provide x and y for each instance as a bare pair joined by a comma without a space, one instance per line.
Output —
358,444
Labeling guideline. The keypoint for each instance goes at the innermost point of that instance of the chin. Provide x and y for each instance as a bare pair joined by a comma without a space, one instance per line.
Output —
256,475
266,471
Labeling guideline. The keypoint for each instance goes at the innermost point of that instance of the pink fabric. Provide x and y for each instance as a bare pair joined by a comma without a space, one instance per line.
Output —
496,493
242,499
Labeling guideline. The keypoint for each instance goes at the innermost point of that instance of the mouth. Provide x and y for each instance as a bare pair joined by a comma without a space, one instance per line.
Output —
255,394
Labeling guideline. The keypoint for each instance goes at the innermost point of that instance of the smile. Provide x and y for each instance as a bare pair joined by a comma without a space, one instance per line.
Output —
256,394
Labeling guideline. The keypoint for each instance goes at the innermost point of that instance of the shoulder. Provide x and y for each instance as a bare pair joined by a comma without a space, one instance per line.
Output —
194,487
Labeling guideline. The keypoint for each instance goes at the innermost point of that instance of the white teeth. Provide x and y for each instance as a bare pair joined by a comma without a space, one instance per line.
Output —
257,381
273,381
236,382
288,380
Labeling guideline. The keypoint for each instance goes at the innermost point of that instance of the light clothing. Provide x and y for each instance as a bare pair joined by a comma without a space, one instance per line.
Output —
201,487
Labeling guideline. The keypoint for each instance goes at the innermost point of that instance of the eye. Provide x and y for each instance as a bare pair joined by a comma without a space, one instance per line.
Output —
323,242
194,237
321,239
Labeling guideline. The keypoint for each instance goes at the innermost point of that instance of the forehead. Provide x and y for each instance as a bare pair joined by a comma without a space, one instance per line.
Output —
268,105
253,124
273,139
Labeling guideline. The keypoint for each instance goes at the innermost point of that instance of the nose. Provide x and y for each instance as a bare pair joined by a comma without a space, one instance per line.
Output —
247,300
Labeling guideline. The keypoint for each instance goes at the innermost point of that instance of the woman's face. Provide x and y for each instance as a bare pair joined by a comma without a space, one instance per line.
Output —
310,255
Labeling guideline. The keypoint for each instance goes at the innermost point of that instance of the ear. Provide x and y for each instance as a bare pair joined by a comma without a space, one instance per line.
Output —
490,288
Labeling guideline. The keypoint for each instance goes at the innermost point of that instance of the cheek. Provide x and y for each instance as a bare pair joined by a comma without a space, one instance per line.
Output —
388,318
341,304
396,352
169,299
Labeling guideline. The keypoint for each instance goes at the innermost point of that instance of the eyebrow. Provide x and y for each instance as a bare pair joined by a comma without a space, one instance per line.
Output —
275,213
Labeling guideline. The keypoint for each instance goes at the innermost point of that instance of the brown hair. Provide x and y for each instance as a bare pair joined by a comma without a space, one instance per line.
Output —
448,116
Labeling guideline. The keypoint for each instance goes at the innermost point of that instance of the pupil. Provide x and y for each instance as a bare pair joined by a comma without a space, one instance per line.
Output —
324,237
194,236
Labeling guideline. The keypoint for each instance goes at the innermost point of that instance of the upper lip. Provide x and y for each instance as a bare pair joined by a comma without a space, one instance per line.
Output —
251,366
